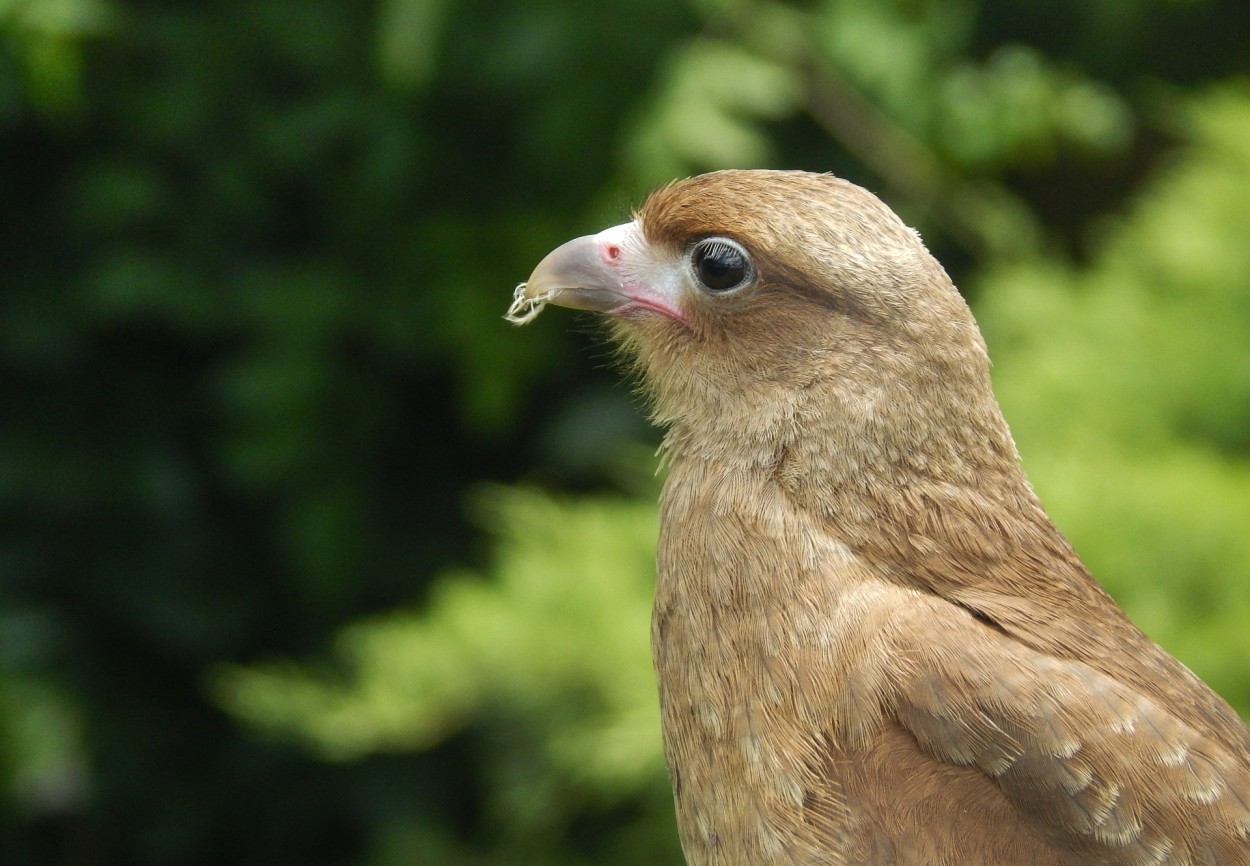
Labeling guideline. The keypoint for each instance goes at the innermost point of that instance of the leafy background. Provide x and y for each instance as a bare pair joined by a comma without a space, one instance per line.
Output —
306,556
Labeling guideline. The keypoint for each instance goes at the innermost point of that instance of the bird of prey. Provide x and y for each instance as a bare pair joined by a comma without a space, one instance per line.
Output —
872,644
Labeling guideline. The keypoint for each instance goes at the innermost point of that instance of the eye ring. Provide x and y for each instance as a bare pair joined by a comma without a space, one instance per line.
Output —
721,265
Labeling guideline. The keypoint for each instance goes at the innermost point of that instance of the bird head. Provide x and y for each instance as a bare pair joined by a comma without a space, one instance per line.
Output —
766,307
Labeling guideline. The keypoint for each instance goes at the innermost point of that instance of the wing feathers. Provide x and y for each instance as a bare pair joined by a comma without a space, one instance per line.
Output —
1093,764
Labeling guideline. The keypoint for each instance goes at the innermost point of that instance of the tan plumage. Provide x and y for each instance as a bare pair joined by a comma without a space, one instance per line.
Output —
872,644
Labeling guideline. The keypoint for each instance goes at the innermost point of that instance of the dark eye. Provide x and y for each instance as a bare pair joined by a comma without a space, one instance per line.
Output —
721,265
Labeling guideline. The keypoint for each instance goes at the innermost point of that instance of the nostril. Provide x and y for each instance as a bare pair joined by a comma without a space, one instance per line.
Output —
614,245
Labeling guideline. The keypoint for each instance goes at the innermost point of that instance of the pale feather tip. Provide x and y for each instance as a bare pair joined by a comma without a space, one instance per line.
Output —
524,309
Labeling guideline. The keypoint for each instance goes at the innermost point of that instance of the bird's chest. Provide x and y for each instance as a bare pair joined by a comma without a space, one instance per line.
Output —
740,760
746,642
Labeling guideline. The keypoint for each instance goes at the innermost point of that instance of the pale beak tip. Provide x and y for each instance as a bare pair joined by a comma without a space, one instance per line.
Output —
525,307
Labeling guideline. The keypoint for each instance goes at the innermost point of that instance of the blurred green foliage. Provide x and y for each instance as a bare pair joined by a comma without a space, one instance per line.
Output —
552,647
1128,382
306,556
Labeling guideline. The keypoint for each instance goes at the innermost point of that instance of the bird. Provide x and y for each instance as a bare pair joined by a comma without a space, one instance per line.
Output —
872,644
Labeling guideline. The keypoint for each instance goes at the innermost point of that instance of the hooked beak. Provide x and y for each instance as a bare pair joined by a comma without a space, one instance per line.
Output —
606,273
